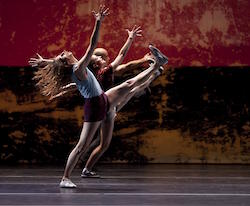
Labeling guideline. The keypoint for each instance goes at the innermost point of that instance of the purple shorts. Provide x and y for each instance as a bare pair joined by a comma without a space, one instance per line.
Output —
96,108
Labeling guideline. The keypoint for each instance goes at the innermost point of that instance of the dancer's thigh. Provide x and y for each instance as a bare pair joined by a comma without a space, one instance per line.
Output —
117,94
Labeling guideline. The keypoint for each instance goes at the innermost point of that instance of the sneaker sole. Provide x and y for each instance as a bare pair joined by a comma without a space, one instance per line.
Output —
85,176
66,187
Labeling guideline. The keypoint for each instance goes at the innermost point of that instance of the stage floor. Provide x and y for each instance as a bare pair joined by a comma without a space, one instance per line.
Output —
129,185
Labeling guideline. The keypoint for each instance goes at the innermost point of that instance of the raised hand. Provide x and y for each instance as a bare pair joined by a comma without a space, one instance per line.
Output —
34,62
101,13
136,31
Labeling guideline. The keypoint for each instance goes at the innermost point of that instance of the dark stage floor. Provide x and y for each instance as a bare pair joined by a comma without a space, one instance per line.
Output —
129,185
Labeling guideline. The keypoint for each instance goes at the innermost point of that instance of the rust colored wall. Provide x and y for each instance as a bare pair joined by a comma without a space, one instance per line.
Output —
191,32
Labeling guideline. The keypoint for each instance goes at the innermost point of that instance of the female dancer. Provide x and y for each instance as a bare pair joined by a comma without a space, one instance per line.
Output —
52,78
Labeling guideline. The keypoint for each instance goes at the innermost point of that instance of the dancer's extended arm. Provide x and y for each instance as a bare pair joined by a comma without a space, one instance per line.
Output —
136,31
132,64
84,61
40,61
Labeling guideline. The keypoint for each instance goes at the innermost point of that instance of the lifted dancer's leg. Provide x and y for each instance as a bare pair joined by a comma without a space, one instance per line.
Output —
137,89
117,94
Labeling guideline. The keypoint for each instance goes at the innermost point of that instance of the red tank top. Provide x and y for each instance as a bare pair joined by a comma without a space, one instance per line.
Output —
105,77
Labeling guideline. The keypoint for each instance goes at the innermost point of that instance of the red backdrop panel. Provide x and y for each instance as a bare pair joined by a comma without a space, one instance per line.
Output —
190,32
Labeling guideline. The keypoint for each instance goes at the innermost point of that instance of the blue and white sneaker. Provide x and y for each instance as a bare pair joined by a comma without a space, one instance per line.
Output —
162,59
86,173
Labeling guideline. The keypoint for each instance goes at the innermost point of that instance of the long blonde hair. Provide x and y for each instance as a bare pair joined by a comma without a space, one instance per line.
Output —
51,78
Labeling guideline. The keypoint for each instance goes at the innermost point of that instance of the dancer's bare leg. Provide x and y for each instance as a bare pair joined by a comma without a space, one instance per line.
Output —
95,142
137,89
105,139
118,93
88,131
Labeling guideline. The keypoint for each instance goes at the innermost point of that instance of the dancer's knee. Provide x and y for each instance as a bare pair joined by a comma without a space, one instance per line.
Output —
131,83
126,85
104,146
79,149
110,115
100,149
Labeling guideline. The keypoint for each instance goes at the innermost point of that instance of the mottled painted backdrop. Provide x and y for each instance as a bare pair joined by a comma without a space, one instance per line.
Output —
191,32
197,112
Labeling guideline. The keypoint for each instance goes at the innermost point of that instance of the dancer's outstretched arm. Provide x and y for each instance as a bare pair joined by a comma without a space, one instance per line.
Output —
134,64
84,61
40,61
136,31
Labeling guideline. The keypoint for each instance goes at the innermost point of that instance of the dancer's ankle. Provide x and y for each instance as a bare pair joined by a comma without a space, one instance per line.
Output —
155,63
65,178
86,169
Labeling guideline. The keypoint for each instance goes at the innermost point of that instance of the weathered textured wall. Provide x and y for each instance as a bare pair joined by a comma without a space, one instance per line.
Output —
193,114
191,32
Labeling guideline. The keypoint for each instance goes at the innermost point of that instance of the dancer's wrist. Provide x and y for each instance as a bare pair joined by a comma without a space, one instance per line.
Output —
131,38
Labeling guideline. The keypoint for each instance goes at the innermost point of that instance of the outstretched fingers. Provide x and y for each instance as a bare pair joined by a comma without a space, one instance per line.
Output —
139,33
101,8
102,12
106,12
136,31
39,56
33,62
40,61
